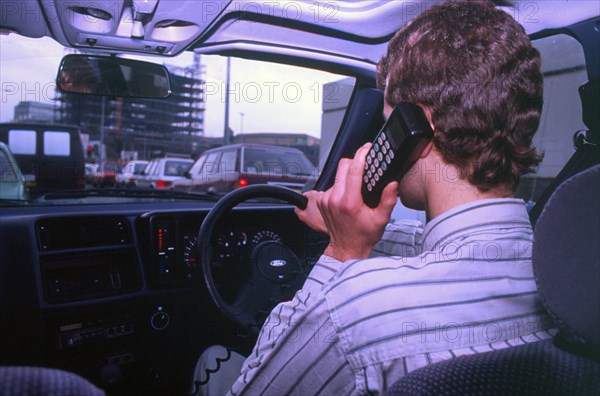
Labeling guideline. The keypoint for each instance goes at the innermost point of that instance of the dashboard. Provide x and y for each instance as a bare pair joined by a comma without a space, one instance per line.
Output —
173,240
116,292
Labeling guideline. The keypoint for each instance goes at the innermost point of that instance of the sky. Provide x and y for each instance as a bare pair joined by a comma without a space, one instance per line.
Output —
263,97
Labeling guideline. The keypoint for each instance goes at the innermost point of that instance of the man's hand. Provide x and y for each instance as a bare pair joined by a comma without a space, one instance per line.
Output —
311,216
353,227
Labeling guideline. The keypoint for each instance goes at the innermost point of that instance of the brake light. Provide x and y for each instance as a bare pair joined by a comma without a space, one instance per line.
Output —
243,182
163,184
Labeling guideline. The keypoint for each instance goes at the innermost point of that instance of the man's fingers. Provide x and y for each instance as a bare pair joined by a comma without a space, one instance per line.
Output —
312,216
312,194
322,205
389,197
357,169
342,172
338,189
312,197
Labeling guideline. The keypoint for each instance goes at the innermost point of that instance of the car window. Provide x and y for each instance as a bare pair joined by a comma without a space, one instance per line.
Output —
176,168
197,166
564,70
22,141
216,102
228,161
7,171
211,165
129,169
57,143
277,162
138,168
112,166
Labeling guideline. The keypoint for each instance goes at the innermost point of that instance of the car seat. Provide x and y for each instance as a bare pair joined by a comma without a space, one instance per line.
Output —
566,261
30,381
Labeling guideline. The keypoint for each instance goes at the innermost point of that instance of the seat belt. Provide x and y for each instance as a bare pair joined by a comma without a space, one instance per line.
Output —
587,154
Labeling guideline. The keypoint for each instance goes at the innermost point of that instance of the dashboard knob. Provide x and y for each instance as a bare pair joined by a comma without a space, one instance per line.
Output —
160,320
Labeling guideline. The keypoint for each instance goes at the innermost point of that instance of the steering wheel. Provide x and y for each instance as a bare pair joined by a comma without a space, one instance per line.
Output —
272,273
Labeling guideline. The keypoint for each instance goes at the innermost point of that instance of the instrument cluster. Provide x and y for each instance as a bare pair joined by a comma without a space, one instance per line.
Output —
173,255
229,245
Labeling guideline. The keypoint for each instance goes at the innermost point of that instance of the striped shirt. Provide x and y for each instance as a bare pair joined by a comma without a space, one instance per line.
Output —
463,284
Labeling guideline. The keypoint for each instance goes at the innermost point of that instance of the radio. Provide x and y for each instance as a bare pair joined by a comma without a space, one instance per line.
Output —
78,334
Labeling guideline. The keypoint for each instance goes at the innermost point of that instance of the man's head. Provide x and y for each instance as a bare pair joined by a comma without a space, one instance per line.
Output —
473,67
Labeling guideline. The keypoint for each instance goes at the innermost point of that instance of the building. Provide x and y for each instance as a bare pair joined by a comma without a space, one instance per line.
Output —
33,111
147,126
334,110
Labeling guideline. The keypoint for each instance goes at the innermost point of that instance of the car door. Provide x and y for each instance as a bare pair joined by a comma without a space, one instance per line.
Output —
228,173
207,175
144,181
187,183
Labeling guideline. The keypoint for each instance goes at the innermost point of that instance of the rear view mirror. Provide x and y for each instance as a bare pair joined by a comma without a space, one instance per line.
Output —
112,76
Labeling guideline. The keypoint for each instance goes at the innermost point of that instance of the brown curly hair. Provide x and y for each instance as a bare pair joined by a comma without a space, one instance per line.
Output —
474,67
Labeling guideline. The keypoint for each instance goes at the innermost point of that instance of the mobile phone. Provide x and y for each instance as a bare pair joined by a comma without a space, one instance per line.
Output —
396,147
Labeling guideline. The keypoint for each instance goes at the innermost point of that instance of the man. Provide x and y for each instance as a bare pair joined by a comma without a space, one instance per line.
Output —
462,284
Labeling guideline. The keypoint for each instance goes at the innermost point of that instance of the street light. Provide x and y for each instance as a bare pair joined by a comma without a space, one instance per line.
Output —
241,127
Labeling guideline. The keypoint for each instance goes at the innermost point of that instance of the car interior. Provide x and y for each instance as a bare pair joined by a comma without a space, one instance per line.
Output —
119,291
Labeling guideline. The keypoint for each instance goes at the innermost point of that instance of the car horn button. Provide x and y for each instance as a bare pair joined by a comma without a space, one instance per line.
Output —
275,261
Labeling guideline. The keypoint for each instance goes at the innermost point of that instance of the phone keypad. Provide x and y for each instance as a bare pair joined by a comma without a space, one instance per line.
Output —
378,159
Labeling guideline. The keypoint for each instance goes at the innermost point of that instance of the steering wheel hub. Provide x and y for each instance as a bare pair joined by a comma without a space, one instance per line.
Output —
275,262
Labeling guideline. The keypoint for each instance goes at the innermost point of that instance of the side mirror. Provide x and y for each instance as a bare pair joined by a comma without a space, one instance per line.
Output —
112,76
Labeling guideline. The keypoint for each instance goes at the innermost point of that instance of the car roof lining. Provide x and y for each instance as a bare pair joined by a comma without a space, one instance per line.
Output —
350,29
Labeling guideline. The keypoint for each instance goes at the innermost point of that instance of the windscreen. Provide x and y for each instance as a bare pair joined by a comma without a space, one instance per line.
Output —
280,162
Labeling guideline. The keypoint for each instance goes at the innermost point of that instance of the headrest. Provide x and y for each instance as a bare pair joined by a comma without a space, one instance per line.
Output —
566,257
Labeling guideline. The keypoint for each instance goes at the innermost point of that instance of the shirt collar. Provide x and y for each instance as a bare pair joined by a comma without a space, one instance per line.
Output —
472,214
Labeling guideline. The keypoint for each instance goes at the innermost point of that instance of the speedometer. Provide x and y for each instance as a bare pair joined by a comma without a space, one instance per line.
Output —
265,235
190,251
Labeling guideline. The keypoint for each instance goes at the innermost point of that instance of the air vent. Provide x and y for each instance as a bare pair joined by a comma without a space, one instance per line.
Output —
76,277
77,232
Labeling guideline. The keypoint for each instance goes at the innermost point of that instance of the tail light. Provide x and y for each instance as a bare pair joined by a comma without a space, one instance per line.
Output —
163,184
243,182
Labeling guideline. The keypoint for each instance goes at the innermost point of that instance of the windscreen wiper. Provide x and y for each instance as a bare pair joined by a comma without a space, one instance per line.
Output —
129,193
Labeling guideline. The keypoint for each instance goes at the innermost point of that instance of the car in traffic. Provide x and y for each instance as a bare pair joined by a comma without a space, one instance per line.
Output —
50,155
229,167
106,174
90,172
12,182
130,173
161,173
126,287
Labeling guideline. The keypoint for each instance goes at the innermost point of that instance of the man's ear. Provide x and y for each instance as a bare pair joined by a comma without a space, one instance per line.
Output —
428,115
429,146
427,149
